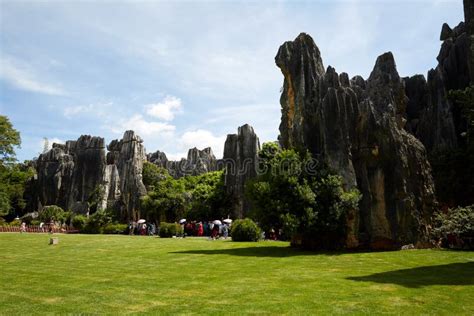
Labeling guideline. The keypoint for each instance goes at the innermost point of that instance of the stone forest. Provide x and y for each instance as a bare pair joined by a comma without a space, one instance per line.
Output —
304,190
390,145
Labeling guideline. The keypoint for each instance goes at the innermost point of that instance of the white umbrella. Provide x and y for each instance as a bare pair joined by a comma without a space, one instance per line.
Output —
228,221
217,222
141,221
183,220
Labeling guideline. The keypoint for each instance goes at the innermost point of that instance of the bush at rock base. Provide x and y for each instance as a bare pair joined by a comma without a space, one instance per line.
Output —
455,227
245,230
168,230
115,228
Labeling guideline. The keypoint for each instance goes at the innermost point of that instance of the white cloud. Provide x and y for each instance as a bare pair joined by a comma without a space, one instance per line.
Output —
201,139
143,127
22,77
98,109
47,143
166,109
176,156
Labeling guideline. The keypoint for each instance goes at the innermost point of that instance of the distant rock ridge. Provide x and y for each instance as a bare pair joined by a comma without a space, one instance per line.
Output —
197,162
356,126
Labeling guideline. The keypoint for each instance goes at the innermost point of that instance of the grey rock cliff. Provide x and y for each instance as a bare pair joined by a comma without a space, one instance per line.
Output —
240,160
70,175
431,116
67,175
357,128
197,162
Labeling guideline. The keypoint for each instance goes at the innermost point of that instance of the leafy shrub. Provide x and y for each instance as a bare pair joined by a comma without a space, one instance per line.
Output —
79,222
115,228
455,228
15,222
52,213
97,221
168,230
35,222
245,230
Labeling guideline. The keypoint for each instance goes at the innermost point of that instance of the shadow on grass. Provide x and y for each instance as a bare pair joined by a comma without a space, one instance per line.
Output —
267,251
446,274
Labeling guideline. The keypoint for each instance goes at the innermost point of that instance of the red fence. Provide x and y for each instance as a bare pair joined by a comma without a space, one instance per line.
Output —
37,229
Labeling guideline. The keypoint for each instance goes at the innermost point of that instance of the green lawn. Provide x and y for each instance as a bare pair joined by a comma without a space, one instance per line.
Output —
131,274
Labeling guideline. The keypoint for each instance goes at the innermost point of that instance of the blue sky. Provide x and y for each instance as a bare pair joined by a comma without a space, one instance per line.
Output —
184,74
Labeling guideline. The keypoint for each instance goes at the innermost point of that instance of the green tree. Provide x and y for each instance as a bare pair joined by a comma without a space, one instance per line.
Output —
152,175
13,176
166,198
194,197
455,226
52,213
208,198
309,204
9,139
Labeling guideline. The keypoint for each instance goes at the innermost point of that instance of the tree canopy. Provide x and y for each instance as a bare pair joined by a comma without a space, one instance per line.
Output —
194,197
13,176
301,198
9,139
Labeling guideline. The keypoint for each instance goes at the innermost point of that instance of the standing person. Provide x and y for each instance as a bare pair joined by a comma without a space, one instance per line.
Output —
215,231
205,227
51,227
225,231
200,229
211,229
183,229
42,227
23,228
143,229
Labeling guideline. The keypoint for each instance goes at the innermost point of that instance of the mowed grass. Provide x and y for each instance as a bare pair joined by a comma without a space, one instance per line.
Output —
131,274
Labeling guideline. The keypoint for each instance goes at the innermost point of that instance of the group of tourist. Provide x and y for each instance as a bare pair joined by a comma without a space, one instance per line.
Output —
50,227
141,228
212,229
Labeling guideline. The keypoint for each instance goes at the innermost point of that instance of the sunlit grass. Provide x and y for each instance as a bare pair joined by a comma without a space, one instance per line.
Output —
132,274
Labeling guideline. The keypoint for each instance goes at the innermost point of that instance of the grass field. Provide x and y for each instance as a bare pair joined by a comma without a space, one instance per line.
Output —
128,274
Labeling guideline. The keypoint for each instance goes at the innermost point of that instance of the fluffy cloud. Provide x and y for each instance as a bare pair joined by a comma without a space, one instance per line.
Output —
47,143
143,127
97,109
20,76
201,138
166,109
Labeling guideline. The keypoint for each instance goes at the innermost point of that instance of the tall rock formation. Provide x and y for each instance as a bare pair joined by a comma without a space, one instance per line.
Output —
357,128
197,162
469,18
431,116
126,157
68,175
240,161
79,174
